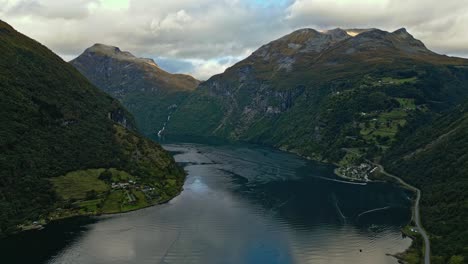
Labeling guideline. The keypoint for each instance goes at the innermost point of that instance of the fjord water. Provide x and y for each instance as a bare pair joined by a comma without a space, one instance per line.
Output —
240,204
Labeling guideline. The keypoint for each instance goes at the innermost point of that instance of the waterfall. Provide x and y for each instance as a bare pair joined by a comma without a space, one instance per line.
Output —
171,110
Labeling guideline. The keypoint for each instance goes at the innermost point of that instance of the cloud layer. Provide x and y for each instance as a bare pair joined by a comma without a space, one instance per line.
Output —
203,37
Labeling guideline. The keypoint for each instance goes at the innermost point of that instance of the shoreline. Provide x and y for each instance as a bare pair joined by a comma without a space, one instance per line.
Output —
415,202
337,173
414,208
415,211
415,214
50,221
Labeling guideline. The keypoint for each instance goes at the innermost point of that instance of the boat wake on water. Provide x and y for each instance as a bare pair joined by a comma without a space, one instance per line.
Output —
341,181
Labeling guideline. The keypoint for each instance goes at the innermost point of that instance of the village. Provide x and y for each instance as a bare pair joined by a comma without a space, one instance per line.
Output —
129,185
359,172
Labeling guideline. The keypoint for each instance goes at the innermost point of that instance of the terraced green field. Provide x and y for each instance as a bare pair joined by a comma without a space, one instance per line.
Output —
90,192
75,185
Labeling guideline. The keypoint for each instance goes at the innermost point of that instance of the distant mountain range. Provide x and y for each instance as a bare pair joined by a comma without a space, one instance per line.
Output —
316,93
149,92
312,92
63,142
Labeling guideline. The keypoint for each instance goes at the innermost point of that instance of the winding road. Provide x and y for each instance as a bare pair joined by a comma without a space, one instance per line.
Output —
415,215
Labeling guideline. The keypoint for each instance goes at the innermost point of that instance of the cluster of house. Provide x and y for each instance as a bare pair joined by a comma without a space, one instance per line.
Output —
123,185
359,172
148,191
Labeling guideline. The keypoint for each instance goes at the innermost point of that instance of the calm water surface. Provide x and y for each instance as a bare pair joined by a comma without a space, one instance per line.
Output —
240,204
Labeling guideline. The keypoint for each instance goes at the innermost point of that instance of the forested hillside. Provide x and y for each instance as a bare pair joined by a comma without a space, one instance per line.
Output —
435,159
55,122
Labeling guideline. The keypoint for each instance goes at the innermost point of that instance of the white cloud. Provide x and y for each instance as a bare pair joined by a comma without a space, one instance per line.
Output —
204,69
173,21
203,32
70,9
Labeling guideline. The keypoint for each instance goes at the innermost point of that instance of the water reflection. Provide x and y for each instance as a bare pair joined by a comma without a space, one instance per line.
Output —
245,204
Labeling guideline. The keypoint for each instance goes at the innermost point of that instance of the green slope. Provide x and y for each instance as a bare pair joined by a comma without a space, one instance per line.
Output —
334,91
54,122
435,159
317,93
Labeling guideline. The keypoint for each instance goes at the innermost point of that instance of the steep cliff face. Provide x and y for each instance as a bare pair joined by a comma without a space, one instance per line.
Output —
288,92
122,117
54,121
144,88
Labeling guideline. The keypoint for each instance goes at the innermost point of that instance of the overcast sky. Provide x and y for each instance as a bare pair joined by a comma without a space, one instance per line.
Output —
203,37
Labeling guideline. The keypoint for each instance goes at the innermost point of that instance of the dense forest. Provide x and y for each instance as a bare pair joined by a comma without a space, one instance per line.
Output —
53,122
434,159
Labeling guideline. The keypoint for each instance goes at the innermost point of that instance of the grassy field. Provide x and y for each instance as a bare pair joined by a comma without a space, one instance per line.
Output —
389,80
384,126
351,158
76,184
140,201
118,176
89,206
83,193
118,201
113,202
406,103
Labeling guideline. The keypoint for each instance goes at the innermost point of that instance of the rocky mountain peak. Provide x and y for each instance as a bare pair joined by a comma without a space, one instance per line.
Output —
373,33
304,31
337,33
304,40
376,39
113,52
285,51
402,32
105,50
407,42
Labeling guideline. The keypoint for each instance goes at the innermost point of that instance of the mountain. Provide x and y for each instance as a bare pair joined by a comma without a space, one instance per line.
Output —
149,92
315,92
337,95
64,142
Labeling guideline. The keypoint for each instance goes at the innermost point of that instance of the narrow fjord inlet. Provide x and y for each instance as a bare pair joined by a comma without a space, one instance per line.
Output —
240,204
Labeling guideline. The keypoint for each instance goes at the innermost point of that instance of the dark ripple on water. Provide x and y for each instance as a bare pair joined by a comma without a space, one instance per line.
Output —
245,204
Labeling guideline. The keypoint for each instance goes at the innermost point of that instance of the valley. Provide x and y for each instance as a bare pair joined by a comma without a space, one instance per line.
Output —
267,206
333,145
319,94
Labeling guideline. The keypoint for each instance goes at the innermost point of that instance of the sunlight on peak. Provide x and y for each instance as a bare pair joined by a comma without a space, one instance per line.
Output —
352,33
